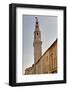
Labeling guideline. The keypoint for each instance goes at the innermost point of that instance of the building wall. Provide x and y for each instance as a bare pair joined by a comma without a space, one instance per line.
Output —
53,58
47,62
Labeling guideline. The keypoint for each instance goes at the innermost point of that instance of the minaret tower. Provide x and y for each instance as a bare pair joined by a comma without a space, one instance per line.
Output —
37,42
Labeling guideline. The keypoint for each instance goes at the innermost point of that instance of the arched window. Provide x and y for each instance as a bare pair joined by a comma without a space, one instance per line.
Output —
37,33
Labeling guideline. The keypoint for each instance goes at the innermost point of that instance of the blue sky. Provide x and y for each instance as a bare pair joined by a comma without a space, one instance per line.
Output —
48,28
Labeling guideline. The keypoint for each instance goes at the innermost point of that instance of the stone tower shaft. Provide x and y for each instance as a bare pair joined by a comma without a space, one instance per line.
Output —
37,42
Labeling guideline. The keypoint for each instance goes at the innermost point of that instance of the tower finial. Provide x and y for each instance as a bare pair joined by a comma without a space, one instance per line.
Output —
37,23
36,19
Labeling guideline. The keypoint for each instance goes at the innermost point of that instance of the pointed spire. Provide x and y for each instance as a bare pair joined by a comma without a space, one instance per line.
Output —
37,23
36,20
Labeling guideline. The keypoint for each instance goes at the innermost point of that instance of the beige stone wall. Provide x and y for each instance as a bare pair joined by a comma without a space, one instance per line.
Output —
30,70
53,59
47,63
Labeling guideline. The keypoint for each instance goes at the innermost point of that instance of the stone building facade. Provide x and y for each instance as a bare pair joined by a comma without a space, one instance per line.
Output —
46,63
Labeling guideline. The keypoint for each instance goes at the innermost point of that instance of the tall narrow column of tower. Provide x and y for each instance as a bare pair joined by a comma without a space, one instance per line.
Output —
37,42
